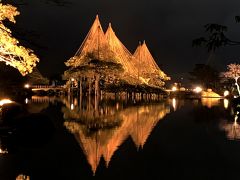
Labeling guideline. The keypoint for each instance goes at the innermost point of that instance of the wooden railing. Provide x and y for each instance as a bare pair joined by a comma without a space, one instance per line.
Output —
45,87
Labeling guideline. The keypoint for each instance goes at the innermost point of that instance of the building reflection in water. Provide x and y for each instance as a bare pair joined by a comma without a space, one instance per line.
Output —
101,127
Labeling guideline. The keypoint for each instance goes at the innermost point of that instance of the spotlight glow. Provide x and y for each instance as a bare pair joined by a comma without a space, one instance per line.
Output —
198,89
226,93
5,101
174,88
72,107
27,86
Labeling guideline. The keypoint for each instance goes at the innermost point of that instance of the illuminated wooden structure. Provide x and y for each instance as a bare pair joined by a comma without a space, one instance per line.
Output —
103,57
148,71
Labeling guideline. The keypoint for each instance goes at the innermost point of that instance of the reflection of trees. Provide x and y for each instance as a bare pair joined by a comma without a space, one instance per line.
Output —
101,131
232,129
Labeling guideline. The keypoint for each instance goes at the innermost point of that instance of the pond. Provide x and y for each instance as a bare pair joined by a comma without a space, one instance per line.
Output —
117,139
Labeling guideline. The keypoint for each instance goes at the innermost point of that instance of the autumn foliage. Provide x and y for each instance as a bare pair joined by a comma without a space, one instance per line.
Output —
11,53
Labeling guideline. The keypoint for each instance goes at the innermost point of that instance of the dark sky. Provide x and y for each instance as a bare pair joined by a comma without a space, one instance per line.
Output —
168,26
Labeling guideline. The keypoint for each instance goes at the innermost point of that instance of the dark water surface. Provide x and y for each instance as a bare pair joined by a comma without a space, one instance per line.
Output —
172,139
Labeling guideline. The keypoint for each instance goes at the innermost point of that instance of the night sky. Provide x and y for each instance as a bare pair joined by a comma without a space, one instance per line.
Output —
168,26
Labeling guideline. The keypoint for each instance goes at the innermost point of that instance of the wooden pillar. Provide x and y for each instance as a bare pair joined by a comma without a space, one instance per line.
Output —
96,103
80,86
69,88
80,102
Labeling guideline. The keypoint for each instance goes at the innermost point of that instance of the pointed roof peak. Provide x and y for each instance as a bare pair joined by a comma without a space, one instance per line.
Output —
110,29
97,17
144,42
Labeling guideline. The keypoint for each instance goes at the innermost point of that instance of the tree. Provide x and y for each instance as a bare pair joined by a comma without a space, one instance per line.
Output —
108,70
216,37
11,53
36,78
233,73
205,75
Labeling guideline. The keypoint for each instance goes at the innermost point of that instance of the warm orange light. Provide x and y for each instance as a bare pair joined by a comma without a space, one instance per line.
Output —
22,177
3,151
174,104
225,103
117,106
210,102
174,88
27,86
72,106
198,89
226,93
5,101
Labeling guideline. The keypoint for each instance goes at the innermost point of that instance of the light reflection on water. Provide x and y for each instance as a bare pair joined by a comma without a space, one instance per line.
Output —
101,127
101,130
232,129
210,102
226,103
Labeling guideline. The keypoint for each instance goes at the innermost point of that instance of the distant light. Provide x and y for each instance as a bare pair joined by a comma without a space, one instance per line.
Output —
182,89
209,90
174,88
72,106
27,86
226,93
3,151
5,101
72,79
26,101
198,89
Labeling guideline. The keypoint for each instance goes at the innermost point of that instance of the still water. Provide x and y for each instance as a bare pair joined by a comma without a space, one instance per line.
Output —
171,139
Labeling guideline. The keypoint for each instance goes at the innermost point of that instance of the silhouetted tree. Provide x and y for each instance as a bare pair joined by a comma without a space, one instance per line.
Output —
215,37
205,75
36,78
